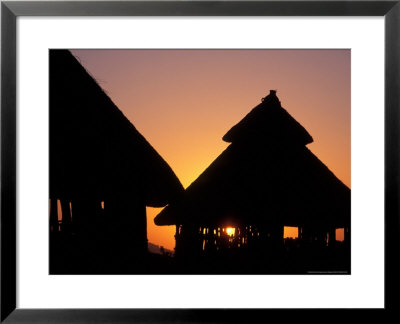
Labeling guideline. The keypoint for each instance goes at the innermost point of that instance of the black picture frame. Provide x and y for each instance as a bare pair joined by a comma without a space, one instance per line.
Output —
10,10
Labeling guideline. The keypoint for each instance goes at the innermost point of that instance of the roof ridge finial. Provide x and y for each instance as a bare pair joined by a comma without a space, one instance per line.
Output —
272,94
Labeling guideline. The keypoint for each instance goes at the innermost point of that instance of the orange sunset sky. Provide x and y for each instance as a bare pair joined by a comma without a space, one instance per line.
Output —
184,101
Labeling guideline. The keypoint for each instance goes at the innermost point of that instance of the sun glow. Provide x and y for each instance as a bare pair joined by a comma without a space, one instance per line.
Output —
230,231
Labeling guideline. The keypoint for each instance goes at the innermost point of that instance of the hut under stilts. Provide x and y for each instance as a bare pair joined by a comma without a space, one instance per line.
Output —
103,171
265,179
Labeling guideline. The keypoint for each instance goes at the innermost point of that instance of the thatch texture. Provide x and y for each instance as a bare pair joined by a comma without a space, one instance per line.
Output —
261,185
95,152
270,123
265,176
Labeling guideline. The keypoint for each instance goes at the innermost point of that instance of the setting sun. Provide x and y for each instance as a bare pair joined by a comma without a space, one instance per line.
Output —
230,231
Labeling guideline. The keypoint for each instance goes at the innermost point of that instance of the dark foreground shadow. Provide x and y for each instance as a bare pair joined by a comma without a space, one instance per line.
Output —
71,255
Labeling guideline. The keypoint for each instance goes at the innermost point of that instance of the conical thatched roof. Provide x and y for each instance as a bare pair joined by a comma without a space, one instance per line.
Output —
269,122
94,149
257,181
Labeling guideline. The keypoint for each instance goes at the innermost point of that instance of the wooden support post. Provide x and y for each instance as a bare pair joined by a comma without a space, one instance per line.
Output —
53,215
307,235
277,235
85,215
347,236
77,214
66,216
177,239
126,219
332,236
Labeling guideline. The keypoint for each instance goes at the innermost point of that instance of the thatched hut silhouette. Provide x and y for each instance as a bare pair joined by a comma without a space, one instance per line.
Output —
102,169
264,180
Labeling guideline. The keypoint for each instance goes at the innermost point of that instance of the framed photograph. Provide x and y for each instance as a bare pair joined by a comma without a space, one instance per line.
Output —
198,161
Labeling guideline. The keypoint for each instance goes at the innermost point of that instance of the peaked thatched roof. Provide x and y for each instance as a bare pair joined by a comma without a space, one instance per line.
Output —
95,151
269,122
253,184
262,181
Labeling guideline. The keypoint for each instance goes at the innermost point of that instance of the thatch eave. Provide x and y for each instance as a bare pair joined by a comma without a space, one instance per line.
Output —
95,151
269,184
